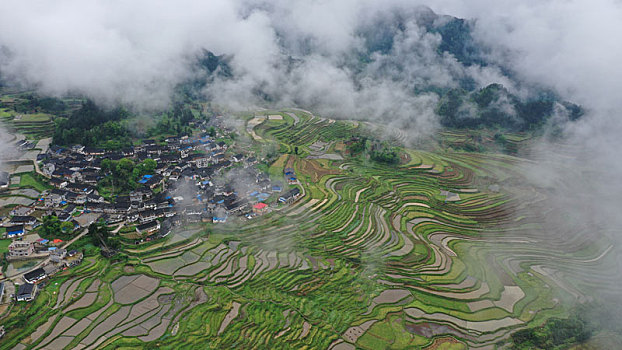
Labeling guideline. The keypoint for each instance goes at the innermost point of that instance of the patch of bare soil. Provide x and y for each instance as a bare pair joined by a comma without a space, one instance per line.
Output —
314,169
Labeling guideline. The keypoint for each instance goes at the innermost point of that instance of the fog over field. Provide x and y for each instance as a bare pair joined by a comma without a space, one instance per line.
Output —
300,53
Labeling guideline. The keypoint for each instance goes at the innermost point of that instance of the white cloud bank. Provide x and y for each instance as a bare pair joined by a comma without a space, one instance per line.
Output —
137,51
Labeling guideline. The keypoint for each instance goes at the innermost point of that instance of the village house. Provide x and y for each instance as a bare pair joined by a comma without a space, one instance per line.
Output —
260,208
26,292
122,207
108,208
148,228
19,249
57,255
136,196
77,149
70,209
48,169
220,219
93,151
193,217
64,217
154,181
80,198
71,197
15,231
35,275
73,176
23,220
57,196
51,269
94,207
290,195
73,258
290,175
146,216
22,211
235,205
94,198
149,205
81,188
58,183
132,217
91,179
202,162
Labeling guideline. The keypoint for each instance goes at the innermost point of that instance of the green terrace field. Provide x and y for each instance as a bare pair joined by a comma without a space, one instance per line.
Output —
34,126
483,140
32,180
370,256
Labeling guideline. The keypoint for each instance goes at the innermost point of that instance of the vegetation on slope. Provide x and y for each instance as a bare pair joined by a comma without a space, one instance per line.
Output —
92,126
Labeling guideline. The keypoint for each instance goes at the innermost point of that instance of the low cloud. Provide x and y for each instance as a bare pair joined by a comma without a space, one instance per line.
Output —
293,53
308,54
569,46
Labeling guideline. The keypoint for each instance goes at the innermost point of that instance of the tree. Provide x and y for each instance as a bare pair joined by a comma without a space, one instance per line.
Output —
100,236
107,164
357,145
92,126
51,226
125,165
66,226
148,166
211,131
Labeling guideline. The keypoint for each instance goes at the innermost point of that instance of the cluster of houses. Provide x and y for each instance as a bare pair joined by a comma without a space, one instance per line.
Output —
60,259
197,179
32,249
20,222
293,193
290,175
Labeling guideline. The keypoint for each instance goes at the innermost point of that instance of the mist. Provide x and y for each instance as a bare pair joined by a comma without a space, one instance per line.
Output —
300,53
568,46
293,53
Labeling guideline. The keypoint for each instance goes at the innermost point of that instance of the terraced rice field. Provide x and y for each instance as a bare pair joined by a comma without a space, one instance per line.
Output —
370,257
34,126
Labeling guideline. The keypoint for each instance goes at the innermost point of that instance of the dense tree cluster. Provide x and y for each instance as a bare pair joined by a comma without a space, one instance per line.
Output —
52,227
93,126
584,321
377,151
556,333
494,106
123,175
33,103
386,155
357,145
100,237
175,122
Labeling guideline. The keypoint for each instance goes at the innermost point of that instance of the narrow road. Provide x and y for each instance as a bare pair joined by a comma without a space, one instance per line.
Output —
116,230
295,117
85,231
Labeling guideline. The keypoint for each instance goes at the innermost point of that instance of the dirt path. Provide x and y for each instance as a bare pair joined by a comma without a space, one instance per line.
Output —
250,126
233,313
294,116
